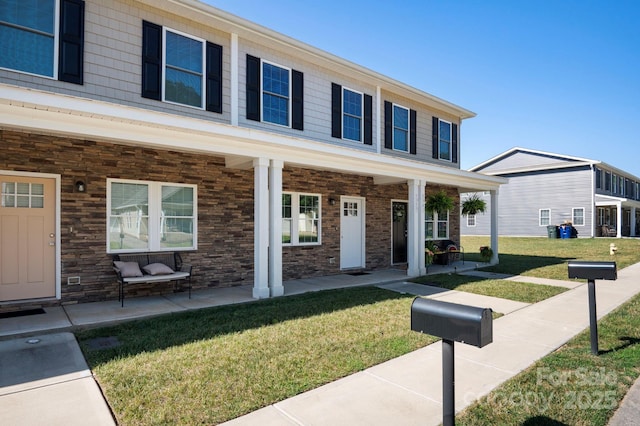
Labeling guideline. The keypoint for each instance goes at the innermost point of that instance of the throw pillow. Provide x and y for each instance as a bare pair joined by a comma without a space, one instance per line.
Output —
128,269
157,269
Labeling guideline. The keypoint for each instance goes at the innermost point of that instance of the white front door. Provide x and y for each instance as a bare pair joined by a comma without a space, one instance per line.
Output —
352,247
27,237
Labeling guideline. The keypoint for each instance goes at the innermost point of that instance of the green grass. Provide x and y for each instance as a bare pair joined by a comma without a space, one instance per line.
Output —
547,257
212,365
570,386
518,291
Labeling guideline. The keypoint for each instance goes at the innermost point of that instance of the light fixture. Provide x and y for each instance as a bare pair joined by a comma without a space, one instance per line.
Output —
332,201
80,186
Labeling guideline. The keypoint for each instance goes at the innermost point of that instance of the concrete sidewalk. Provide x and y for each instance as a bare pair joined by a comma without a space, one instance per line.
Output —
408,390
48,381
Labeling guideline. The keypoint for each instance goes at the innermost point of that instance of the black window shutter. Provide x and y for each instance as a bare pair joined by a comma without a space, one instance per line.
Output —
454,142
71,44
214,78
388,125
336,110
151,60
297,104
434,136
253,88
368,120
413,138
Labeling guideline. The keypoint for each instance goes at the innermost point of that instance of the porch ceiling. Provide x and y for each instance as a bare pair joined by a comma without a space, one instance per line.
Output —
43,112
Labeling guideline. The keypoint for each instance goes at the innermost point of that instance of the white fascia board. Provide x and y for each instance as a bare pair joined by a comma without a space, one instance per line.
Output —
541,167
531,151
90,119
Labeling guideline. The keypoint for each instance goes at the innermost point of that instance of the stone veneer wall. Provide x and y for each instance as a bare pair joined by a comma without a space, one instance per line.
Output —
225,211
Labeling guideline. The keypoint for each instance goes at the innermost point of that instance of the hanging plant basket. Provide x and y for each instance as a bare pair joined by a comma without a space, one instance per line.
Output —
438,202
473,205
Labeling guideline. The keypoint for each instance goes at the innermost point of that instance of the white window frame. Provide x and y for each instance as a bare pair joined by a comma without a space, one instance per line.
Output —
343,113
295,219
436,220
262,92
154,216
573,216
203,87
450,159
540,217
394,127
471,221
56,42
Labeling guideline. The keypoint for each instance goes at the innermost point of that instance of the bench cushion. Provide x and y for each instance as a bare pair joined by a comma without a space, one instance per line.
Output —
157,269
156,278
128,269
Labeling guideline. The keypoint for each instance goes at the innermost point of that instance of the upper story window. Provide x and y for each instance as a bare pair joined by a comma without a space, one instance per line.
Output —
614,181
183,69
43,37
275,94
351,115
400,128
180,68
607,181
151,216
444,140
598,178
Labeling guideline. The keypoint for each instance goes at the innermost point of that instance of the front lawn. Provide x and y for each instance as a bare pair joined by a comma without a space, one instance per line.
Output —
212,365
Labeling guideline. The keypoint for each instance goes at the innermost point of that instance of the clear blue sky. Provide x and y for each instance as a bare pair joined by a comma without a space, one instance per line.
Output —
557,76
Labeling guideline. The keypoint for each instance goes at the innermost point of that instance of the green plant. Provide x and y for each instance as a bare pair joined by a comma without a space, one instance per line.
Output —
486,253
473,205
438,202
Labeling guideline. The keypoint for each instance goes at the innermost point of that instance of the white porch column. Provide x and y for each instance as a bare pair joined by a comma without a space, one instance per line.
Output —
275,228
413,230
633,222
494,225
261,228
421,228
619,220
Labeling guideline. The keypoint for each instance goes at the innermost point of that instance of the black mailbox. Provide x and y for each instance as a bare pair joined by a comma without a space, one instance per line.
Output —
592,270
451,321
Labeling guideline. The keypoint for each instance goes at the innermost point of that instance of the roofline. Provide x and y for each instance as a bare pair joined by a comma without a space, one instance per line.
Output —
240,25
532,151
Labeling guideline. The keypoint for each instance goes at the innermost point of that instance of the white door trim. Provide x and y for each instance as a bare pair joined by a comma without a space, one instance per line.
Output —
363,224
57,179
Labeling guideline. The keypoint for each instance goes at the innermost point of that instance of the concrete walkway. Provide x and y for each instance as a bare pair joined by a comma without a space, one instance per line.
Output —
45,380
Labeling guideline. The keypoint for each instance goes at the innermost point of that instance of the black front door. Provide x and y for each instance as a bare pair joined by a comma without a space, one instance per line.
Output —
399,237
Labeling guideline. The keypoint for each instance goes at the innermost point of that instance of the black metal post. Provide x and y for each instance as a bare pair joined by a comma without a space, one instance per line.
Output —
593,318
448,384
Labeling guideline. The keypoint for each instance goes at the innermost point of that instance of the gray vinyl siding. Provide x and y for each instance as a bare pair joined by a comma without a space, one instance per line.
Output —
521,199
519,160
112,73
483,220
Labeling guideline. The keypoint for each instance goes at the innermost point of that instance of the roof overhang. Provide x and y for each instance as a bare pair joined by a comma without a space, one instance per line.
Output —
608,200
46,113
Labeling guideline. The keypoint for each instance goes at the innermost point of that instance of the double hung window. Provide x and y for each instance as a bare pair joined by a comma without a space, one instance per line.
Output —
436,225
351,115
43,37
150,216
183,69
544,217
400,128
301,220
444,140
276,94
577,216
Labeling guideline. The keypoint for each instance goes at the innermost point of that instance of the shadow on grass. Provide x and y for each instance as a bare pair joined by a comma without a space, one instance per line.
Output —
180,328
628,341
518,264
542,421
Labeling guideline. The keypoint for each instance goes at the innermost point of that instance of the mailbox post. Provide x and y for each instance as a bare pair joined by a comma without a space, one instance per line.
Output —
592,271
452,322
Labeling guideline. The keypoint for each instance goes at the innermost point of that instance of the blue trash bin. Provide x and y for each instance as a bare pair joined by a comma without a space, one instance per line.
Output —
565,231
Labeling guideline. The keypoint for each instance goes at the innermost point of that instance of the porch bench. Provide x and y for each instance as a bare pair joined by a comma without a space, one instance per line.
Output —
136,268
446,251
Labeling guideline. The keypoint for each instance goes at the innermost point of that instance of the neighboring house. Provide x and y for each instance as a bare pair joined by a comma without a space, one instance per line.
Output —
153,125
545,189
